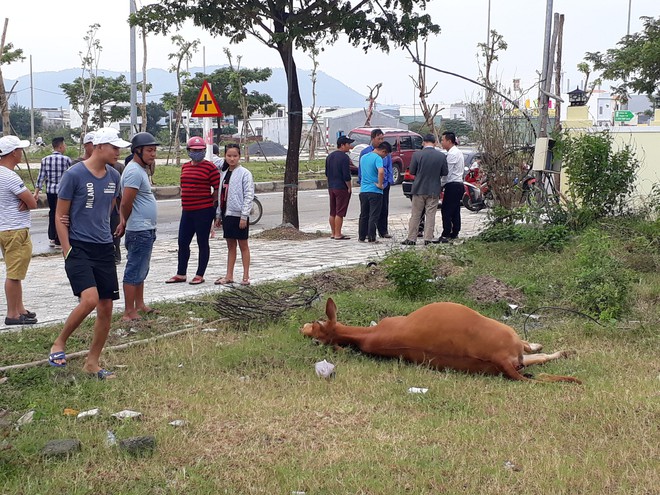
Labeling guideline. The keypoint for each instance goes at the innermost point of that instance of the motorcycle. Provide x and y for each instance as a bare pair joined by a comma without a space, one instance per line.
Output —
256,212
477,194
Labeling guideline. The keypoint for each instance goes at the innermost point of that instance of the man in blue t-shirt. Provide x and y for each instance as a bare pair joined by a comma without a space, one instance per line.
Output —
87,194
138,219
377,137
371,191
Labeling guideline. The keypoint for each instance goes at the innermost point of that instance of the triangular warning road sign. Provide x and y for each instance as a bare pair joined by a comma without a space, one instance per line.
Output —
206,104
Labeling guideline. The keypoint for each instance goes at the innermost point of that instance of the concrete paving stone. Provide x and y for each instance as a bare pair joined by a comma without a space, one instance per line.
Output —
47,292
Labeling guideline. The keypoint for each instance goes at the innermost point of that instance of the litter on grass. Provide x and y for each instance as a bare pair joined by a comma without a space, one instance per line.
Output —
70,412
127,414
26,419
417,390
324,369
89,414
177,422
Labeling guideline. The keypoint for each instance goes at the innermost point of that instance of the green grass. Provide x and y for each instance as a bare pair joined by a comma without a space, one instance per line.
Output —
259,421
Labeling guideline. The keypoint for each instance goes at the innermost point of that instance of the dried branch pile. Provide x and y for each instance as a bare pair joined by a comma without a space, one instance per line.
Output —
244,304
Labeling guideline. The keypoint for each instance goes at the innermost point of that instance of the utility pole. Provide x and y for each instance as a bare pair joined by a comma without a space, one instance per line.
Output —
31,104
629,6
133,10
545,75
488,31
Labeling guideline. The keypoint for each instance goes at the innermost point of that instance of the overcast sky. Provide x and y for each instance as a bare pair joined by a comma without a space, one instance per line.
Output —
52,32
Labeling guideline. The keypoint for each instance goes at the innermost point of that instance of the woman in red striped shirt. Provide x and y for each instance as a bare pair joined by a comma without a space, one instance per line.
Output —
200,180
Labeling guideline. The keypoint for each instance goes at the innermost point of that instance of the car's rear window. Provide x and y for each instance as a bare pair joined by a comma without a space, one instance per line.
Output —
360,138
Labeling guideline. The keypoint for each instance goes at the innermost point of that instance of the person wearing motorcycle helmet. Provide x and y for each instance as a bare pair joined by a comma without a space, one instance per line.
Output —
200,180
138,212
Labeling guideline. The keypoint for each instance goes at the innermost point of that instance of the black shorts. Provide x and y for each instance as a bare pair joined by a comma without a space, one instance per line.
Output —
231,229
92,265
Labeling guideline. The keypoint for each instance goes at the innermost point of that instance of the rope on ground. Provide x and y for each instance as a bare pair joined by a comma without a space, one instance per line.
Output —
112,348
557,308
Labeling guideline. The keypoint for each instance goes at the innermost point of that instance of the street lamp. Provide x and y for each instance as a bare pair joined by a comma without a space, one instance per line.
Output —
577,98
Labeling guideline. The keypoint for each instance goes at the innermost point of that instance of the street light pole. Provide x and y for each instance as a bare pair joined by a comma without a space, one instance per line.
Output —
133,74
488,31
629,6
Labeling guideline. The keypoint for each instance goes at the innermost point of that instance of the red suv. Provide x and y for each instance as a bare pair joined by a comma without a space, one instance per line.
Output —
404,144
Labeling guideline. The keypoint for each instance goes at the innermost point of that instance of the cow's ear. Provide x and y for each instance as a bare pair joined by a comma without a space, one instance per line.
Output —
331,310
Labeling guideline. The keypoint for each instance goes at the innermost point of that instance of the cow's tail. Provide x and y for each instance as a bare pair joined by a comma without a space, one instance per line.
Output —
511,371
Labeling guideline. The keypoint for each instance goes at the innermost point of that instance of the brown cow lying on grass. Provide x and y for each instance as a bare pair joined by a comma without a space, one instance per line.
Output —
441,335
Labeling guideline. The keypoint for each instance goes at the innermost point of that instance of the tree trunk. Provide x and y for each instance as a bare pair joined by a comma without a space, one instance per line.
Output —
4,104
290,201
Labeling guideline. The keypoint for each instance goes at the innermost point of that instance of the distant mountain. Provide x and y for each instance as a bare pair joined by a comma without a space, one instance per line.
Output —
47,93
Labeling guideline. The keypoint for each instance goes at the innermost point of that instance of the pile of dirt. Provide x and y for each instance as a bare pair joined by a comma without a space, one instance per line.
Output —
487,289
287,233
363,277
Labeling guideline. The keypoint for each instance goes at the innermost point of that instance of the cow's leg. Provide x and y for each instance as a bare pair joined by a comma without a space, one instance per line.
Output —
530,359
531,347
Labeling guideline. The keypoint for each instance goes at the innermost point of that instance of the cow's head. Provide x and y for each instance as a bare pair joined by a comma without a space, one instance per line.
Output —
323,331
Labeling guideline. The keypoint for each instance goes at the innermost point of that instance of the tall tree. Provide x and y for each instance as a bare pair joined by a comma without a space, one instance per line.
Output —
286,25
155,112
105,99
635,63
20,121
90,67
222,86
184,52
7,55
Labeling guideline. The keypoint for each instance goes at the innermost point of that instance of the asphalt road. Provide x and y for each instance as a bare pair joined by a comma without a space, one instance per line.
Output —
312,210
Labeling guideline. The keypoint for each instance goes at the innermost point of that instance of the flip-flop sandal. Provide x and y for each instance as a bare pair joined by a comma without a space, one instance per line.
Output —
245,281
197,280
176,280
57,356
103,374
342,238
223,281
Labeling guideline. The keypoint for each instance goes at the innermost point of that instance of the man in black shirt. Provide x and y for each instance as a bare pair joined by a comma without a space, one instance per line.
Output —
338,172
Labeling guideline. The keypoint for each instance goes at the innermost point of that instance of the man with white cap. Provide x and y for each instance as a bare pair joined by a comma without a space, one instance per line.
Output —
52,168
16,201
88,192
88,147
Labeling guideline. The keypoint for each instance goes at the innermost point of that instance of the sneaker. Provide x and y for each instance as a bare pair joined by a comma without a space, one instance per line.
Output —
426,243
441,240
408,242
51,243
373,241
386,236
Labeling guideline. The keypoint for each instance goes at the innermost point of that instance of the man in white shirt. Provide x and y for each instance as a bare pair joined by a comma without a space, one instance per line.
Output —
453,189
16,201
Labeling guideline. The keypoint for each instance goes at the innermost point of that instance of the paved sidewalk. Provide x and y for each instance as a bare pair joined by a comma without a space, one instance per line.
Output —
46,289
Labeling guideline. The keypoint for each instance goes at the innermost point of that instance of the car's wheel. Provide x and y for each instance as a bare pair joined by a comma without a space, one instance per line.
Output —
396,173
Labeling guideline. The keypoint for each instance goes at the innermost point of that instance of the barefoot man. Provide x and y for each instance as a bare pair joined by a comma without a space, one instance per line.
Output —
138,220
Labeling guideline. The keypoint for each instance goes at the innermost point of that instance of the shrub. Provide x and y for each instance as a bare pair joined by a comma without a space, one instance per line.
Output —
600,285
600,179
410,272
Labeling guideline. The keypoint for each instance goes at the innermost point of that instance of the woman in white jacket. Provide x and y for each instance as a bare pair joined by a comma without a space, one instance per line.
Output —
236,194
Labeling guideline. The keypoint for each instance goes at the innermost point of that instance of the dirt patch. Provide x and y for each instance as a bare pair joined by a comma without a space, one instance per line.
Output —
363,277
287,233
487,289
